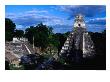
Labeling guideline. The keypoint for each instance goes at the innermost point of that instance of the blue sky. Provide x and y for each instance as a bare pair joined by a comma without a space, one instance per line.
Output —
60,17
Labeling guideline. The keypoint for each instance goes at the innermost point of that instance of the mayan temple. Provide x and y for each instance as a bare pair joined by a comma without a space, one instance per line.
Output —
78,43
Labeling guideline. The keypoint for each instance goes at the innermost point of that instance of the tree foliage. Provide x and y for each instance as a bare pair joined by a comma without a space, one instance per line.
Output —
19,33
40,33
9,29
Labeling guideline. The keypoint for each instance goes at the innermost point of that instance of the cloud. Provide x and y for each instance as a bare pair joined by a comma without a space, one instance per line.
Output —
86,10
96,28
19,27
96,24
34,17
62,28
36,11
98,21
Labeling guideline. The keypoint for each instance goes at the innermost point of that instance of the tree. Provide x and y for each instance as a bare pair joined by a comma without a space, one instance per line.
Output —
19,33
40,33
99,40
41,38
61,39
9,29
29,33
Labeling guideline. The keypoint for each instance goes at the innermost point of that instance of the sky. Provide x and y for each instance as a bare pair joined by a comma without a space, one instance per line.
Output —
59,17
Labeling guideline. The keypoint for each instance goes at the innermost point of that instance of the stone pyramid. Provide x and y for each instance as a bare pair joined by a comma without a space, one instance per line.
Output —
78,43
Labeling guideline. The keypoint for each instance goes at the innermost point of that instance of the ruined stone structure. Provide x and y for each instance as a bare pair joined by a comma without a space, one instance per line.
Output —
78,40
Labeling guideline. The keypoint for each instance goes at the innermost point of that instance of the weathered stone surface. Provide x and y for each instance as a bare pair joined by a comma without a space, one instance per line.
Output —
78,40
